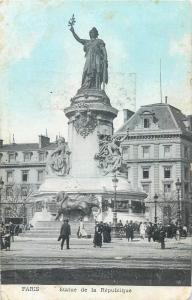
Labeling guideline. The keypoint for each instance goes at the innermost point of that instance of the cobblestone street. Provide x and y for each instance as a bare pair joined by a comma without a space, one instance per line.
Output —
38,254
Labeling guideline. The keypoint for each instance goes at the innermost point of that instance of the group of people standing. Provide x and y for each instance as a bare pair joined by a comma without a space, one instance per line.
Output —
102,234
7,232
155,232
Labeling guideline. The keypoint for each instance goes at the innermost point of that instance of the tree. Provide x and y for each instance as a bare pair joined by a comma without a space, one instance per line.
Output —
168,206
15,197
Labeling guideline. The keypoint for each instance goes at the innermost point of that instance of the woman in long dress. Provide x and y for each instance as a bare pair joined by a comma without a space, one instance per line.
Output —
81,230
142,230
97,241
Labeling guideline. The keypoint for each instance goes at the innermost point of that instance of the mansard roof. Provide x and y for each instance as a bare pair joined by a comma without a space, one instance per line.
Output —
167,117
26,147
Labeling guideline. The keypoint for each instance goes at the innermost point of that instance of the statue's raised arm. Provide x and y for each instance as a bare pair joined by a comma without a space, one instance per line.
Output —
71,25
82,41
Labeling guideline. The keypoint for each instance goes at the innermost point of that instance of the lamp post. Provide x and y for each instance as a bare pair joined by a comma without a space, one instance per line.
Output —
178,188
24,214
155,201
115,181
1,187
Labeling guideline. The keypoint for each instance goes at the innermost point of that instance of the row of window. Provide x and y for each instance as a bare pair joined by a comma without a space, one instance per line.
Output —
167,173
24,176
27,157
10,192
167,187
42,156
146,152
146,172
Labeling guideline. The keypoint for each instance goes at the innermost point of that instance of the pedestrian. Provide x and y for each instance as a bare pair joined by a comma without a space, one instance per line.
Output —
162,236
169,231
155,233
106,233
129,230
97,241
142,230
184,229
65,233
81,233
109,229
7,238
17,229
12,230
149,231
177,236
2,233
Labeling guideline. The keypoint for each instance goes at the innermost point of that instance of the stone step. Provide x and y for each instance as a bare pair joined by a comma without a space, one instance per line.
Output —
53,224
51,229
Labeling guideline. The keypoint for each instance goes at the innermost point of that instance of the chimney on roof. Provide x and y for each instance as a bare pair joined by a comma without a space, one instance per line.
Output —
44,141
166,99
127,114
1,143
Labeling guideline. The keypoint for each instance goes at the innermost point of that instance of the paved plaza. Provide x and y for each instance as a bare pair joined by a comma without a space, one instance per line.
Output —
29,256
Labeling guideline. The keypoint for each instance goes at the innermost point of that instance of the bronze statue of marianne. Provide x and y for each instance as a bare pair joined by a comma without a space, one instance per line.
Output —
96,66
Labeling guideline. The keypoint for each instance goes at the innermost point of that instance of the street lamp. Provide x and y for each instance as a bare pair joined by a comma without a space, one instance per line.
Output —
1,183
115,181
155,201
178,188
1,187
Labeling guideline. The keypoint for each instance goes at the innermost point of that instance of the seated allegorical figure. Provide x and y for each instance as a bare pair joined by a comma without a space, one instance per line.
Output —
59,160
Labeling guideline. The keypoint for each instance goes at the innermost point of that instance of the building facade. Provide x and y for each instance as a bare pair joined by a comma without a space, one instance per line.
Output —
22,169
158,152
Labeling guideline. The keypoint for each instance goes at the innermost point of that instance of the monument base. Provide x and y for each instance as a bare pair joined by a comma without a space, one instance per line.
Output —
91,198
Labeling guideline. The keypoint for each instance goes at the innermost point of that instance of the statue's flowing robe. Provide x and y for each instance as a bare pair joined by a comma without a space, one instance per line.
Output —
95,69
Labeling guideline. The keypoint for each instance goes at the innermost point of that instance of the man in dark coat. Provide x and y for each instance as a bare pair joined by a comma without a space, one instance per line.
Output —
65,232
149,231
155,233
129,230
97,241
162,236
106,233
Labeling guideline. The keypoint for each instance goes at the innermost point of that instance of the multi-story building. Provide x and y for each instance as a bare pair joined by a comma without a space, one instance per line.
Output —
158,152
22,169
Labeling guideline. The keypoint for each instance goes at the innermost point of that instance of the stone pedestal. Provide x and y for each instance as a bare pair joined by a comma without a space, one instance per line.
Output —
90,115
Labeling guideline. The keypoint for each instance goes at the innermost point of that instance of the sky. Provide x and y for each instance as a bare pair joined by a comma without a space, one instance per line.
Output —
41,63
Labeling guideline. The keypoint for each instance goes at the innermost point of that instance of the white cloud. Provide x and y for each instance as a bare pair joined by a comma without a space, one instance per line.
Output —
180,96
182,46
15,43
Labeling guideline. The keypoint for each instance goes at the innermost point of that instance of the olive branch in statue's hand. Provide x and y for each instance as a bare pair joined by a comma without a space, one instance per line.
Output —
71,22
